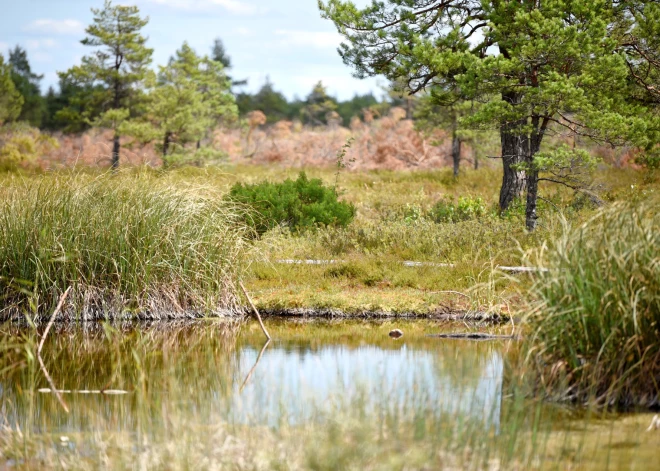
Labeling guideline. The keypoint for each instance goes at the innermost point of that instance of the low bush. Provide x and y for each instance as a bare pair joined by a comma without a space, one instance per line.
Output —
125,243
467,208
22,145
299,204
595,315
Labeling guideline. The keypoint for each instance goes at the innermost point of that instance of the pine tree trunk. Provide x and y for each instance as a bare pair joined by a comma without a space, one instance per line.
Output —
535,140
515,148
115,152
166,146
456,153
532,198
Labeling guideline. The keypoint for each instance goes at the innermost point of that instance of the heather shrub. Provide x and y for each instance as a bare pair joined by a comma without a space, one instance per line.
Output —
299,204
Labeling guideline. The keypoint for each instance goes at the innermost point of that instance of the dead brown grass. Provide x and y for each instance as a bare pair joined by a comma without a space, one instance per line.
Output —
390,142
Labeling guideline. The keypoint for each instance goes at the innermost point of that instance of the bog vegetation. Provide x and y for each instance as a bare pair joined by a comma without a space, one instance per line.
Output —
125,244
297,204
554,108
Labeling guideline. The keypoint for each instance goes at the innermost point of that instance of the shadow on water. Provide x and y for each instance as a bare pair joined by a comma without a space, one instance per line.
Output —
342,391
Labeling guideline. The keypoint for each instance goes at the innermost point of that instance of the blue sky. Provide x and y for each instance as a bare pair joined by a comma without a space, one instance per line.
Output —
286,40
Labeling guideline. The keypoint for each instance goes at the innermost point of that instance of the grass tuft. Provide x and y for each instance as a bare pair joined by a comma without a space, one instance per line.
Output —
595,315
126,243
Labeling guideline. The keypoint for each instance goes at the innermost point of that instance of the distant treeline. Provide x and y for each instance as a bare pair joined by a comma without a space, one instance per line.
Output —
47,111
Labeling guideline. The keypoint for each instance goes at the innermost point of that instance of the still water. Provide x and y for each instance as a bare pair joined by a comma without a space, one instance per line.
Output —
320,395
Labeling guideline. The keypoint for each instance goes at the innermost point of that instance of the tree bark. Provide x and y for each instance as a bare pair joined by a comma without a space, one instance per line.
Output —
115,152
532,198
539,126
456,153
515,148
166,146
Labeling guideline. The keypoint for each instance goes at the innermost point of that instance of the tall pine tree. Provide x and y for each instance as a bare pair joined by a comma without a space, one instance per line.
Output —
11,100
27,83
114,74
550,66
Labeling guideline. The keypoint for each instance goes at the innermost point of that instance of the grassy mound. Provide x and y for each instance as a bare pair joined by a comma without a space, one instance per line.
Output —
596,318
127,244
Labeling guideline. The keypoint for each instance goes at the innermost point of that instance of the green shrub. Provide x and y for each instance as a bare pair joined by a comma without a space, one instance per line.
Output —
467,208
595,314
299,204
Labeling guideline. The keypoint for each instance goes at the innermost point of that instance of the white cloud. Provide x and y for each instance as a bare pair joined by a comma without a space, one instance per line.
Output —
49,25
319,39
3,46
45,43
232,6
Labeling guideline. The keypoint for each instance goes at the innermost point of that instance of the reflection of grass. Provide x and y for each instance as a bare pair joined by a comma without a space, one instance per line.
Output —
180,377
349,437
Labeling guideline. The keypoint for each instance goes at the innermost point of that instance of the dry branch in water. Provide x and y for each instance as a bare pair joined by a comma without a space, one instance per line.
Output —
41,345
254,309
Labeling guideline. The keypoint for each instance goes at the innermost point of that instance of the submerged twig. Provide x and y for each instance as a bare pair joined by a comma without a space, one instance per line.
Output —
254,309
249,375
41,345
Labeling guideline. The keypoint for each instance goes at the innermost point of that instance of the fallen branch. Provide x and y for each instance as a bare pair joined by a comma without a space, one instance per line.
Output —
472,336
254,309
41,345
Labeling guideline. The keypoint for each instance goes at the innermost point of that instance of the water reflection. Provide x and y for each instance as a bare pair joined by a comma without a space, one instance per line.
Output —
299,382
202,372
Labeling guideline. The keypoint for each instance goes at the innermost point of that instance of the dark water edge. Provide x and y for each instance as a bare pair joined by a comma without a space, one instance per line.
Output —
19,318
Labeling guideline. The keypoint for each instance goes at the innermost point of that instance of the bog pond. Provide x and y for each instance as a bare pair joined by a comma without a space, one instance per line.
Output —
320,395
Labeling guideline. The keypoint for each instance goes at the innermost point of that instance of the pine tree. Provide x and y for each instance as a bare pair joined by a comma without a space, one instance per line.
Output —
317,105
114,74
542,67
11,100
219,54
189,97
267,100
27,83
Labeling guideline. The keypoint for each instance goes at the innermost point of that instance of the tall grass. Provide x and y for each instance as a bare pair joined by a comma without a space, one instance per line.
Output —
596,313
127,243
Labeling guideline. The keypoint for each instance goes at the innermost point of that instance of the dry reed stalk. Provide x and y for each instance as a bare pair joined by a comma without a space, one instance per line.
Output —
254,309
41,345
